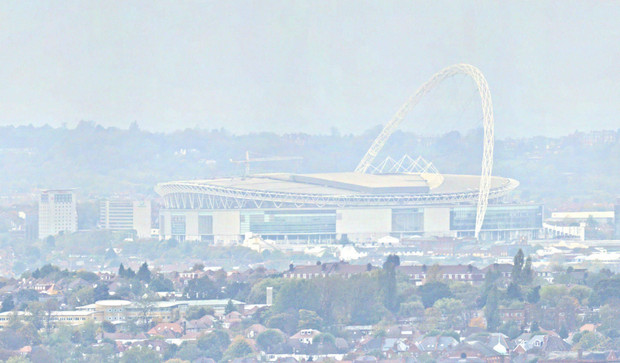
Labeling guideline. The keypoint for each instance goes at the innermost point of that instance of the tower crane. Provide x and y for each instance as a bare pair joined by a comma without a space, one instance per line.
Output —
247,161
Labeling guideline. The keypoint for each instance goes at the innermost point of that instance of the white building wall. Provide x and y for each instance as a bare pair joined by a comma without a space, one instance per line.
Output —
437,221
116,214
226,226
364,224
164,224
57,216
142,218
191,226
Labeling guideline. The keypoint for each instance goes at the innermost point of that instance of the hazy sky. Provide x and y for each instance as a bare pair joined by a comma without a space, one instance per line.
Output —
288,66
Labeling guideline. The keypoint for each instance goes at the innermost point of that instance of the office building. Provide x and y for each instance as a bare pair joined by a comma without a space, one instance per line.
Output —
126,215
57,212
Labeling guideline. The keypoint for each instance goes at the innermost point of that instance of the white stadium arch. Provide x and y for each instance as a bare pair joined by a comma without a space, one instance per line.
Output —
487,111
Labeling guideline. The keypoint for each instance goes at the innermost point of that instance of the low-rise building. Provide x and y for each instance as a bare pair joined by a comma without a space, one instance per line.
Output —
463,273
118,311
326,269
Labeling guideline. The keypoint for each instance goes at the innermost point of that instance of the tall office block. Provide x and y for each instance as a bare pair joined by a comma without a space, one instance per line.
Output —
126,215
57,212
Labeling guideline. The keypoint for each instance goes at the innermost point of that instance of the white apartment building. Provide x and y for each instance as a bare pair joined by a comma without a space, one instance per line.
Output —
126,215
57,212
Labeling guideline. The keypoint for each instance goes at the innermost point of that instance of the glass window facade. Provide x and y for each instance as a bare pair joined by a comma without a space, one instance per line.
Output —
407,220
205,225
278,222
177,225
63,198
498,217
162,225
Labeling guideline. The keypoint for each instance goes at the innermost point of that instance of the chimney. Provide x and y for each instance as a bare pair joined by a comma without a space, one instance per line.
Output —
269,295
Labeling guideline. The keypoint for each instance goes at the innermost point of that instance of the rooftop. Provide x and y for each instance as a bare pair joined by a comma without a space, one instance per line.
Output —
349,183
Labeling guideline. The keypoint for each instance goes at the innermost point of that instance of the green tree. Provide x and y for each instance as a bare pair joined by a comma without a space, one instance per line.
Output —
7,304
411,309
197,313
297,294
581,293
144,274
160,283
605,290
18,335
101,292
551,294
324,343
593,341
238,349
200,288
269,340
37,314
140,354
491,310
432,319
452,309
189,351
230,307
510,329
129,273
513,292
517,267
533,296
214,344
388,283
527,275
285,321
309,319
433,291
87,276
83,296
18,359
108,327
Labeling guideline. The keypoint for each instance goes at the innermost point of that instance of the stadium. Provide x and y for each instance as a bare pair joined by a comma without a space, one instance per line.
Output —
399,198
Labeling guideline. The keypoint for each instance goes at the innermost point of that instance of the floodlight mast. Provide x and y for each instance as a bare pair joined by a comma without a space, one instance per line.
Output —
487,112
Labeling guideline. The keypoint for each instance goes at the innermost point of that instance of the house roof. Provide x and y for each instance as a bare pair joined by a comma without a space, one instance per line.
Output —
328,268
499,267
553,343
438,343
163,328
305,333
259,328
441,269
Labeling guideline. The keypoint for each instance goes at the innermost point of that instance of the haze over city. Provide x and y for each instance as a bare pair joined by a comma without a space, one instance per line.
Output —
297,66
301,181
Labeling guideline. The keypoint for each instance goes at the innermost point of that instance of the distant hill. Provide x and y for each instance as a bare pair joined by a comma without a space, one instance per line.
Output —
581,167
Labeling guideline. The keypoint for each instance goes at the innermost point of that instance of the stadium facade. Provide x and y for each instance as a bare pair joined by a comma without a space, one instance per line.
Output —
330,207
398,198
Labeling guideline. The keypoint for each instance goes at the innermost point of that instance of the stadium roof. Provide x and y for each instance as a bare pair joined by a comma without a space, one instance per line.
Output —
350,183
327,190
